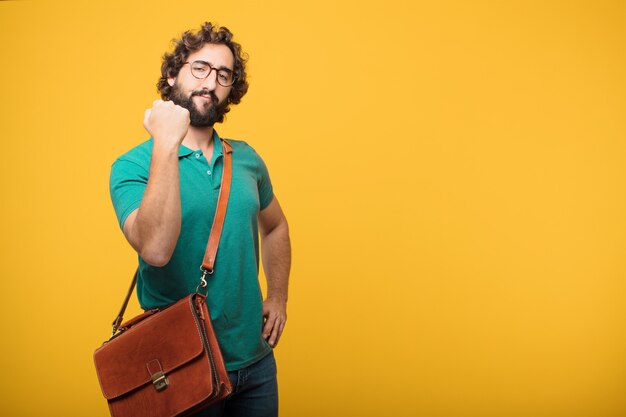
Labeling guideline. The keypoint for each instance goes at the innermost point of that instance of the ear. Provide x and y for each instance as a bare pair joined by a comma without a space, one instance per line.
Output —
171,81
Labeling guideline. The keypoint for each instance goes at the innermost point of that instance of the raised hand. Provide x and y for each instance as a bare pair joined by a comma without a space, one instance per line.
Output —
167,123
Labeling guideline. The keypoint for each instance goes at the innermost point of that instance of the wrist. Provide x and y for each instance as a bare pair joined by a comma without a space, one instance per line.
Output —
167,149
277,298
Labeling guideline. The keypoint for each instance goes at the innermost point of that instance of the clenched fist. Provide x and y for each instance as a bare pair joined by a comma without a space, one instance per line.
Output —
167,123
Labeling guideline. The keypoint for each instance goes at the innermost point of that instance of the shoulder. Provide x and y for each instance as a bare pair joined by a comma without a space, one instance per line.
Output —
243,150
247,156
140,155
239,145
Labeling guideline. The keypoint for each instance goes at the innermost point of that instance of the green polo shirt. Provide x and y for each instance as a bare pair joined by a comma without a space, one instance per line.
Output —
234,296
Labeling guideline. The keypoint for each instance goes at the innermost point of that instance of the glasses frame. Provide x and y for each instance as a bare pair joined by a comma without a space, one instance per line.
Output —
211,68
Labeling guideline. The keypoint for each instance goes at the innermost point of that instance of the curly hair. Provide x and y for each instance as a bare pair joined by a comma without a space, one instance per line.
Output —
190,42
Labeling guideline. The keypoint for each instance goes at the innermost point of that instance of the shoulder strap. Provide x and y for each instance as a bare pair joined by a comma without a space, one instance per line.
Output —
208,262
220,212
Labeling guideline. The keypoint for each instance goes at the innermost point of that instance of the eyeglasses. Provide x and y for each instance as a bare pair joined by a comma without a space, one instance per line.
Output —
202,69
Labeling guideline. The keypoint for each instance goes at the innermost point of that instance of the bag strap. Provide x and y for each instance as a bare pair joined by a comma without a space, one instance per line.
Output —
208,263
220,212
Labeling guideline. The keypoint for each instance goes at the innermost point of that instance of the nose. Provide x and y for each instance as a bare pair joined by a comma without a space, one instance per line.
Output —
210,82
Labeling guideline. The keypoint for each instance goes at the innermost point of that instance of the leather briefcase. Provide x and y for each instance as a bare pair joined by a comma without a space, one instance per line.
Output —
163,363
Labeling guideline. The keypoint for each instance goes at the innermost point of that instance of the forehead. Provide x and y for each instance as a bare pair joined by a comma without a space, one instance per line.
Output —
217,55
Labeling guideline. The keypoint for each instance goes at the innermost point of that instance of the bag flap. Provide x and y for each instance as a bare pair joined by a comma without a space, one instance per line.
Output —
172,337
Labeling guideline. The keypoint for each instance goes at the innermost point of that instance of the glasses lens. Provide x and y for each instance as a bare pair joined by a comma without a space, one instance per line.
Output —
200,69
225,78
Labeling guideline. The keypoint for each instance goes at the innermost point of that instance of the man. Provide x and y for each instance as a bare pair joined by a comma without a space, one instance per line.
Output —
165,192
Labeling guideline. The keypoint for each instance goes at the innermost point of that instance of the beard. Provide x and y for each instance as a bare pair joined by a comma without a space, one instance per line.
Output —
213,112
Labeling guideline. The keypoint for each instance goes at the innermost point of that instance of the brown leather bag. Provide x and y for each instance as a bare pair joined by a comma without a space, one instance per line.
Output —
167,361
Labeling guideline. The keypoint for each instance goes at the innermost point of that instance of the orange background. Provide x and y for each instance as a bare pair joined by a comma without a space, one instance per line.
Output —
453,173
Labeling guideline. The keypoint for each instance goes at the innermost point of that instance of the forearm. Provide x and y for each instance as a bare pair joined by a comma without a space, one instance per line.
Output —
157,225
276,256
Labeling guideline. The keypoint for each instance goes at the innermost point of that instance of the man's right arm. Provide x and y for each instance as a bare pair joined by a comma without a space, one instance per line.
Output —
153,228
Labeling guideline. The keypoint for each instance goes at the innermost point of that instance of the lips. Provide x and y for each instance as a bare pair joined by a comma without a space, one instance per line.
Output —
207,97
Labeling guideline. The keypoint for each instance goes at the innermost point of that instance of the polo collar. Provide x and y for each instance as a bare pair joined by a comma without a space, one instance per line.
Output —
184,151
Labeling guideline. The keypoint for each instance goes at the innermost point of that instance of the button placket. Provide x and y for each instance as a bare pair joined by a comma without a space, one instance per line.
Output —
215,162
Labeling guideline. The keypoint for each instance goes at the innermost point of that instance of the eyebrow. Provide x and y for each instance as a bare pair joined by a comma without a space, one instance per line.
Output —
223,67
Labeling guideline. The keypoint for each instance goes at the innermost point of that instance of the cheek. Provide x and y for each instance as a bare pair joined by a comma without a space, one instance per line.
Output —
223,95
227,93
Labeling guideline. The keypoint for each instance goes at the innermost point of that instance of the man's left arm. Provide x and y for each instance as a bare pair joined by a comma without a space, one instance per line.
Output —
276,256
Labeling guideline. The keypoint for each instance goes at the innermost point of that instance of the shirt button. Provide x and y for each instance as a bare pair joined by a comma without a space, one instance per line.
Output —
197,155
209,172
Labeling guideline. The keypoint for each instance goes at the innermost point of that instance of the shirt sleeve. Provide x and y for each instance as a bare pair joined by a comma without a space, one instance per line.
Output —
127,184
266,192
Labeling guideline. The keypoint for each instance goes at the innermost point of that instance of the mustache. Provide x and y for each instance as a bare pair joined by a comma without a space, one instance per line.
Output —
211,94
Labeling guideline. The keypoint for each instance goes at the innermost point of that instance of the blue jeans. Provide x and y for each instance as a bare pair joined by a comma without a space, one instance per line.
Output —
255,392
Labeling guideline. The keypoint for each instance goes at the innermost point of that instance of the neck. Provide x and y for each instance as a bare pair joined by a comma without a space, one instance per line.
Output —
199,138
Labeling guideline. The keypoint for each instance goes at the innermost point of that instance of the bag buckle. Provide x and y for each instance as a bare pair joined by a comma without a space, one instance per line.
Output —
159,380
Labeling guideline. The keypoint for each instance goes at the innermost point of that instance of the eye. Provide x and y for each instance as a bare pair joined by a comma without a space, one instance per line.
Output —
199,66
224,76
